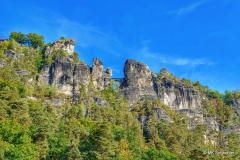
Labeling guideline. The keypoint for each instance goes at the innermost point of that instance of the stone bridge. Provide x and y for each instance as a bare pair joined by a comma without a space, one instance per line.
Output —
120,80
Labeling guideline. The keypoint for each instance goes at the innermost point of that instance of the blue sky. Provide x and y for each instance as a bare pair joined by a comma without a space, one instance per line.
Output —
198,40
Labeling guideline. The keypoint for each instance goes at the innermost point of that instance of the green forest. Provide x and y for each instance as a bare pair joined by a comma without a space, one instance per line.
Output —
30,130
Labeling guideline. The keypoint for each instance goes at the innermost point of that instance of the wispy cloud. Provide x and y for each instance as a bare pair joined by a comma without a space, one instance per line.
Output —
185,10
176,60
86,35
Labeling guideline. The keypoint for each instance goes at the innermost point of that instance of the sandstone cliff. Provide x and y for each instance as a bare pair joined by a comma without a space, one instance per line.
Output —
67,45
138,83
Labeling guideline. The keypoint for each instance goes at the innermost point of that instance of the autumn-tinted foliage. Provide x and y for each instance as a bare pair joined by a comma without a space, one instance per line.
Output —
31,129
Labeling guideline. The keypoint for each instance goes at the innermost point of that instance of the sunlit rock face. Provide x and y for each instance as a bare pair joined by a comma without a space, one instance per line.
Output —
13,54
67,45
2,62
229,129
81,75
236,104
136,74
66,76
108,76
179,95
97,74
138,82
22,72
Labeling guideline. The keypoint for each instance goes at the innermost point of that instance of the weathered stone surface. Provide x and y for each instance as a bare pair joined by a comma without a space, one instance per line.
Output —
179,95
67,45
101,102
160,113
2,62
66,76
22,72
232,128
81,76
164,71
136,74
209,121
97,74
236,105
46,75
56,103
61,75
32,98
139,82
190,113
108,76
131,93
13,54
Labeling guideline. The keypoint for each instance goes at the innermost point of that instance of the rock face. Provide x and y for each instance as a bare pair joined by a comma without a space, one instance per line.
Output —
66,76
97,74
108,76
2,62
164,71
22,72
67,45
13,54
101,102
160,113
139,82
179,95
61,75
236,105
81,75
232,128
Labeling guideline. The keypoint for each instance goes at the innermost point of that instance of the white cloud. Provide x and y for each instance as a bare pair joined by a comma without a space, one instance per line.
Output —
176,60
86,35
187,9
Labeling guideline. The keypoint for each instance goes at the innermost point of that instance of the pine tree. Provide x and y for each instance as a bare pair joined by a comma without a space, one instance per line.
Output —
102,141
74,153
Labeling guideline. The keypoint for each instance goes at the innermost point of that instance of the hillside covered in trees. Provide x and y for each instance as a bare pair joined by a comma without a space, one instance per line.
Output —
54,106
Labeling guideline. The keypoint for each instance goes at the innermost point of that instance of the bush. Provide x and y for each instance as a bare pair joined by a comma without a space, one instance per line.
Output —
187,81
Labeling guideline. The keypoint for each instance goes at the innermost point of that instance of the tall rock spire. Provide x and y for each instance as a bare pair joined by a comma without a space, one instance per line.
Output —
97,74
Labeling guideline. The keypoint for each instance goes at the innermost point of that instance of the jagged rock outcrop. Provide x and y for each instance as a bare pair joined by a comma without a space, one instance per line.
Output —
231,128
164,71
97,74
2,62
179,95
236,104
62,75
81,76
160,113
22,72
101,102
136,74
67,45
45,76
65,75
108,76
139,82
13,54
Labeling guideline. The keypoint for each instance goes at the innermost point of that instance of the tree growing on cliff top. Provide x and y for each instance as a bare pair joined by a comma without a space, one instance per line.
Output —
18,37
35,40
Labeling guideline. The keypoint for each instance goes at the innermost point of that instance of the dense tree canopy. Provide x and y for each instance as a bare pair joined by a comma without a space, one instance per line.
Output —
33,129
